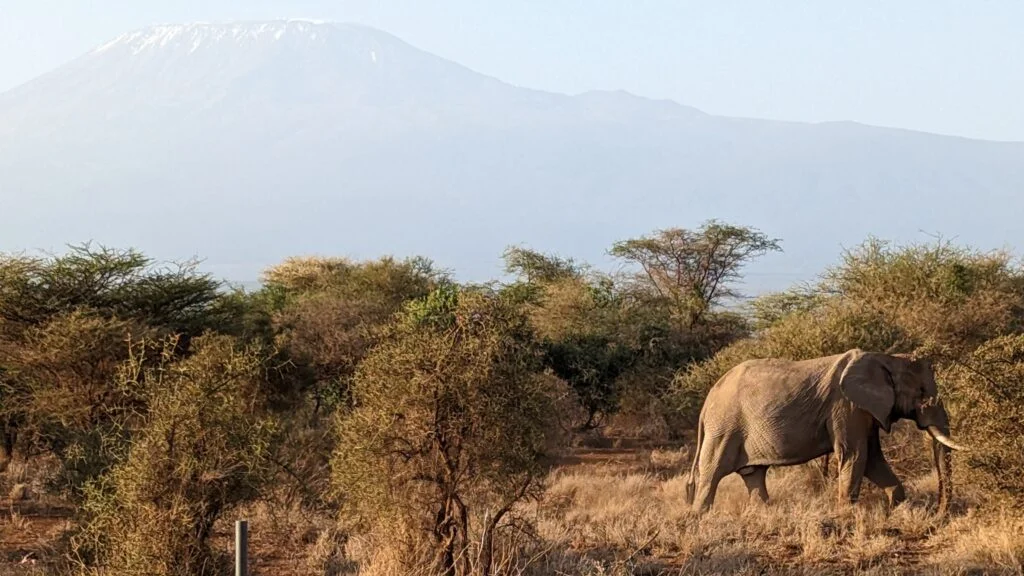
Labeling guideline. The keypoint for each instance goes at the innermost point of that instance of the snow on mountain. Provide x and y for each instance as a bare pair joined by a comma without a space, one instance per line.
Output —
248,142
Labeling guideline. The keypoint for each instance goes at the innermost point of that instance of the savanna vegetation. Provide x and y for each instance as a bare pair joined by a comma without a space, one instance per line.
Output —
381,418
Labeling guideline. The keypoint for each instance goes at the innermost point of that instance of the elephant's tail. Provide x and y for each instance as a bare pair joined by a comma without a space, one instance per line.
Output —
691,482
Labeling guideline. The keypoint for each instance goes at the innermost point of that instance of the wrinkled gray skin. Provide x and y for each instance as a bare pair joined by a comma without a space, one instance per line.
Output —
780,413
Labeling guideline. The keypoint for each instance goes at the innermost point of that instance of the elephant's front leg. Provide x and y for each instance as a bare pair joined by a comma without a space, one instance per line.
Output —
851,449
879,472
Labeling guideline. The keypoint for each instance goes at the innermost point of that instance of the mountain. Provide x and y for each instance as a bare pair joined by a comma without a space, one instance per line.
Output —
244,143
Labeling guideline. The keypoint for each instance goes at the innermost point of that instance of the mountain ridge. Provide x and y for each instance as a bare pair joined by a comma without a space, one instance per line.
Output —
351,141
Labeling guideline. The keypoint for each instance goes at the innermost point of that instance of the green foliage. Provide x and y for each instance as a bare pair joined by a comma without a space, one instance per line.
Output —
113,283
616,343
436,311
771,308
203,447
591,364
451,416
579,327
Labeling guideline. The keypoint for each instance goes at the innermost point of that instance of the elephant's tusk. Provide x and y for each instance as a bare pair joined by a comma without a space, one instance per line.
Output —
944,440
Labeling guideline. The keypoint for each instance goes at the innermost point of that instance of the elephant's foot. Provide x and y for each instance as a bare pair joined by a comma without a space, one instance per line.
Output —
896,495
848,496
759,500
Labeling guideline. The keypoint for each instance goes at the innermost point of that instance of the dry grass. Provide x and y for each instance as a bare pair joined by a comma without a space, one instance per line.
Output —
32,522
612,515
618,512
14,521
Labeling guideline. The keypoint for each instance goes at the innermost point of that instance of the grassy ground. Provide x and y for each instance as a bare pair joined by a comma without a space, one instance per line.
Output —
620,511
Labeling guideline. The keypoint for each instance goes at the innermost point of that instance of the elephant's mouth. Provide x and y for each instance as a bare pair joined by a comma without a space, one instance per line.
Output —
930,416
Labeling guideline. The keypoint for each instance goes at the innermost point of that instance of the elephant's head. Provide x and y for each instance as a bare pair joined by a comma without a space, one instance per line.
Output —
891,387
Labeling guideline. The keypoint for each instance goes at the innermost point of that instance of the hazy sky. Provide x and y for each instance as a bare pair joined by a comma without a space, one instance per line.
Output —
944,66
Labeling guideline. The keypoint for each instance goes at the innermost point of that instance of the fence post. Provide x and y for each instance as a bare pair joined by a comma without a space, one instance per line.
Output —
241,548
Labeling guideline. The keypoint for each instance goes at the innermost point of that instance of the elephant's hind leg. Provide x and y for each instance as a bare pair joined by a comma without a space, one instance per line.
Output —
754,478
716,460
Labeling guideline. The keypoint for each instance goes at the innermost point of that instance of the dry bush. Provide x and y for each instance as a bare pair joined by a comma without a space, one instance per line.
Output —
201,449
333,306
324,315
939,295
65,323
985,394
309,273
451,424
329,335
68,399
566,306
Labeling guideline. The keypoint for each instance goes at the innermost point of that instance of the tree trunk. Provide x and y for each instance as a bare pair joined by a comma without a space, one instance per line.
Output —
10,436
446,534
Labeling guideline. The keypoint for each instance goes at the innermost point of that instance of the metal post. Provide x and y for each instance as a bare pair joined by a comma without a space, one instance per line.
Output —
241,548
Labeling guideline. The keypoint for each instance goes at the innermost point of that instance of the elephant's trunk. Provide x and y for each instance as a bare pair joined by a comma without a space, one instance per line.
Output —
943,463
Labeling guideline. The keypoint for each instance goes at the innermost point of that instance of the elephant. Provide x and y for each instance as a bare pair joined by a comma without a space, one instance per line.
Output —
775,412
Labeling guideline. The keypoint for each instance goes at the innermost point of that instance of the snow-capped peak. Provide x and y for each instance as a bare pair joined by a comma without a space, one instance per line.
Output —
198,34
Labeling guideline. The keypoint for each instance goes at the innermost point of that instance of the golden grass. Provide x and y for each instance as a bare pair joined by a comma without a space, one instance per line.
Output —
609,514
615,513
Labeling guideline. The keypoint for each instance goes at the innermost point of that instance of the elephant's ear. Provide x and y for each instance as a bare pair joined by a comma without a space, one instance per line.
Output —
868,383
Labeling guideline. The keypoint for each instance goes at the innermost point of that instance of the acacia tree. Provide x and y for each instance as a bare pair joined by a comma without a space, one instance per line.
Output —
452,417
692,269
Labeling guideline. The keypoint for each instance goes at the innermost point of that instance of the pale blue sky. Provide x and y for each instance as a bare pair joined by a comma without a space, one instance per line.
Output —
952,67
